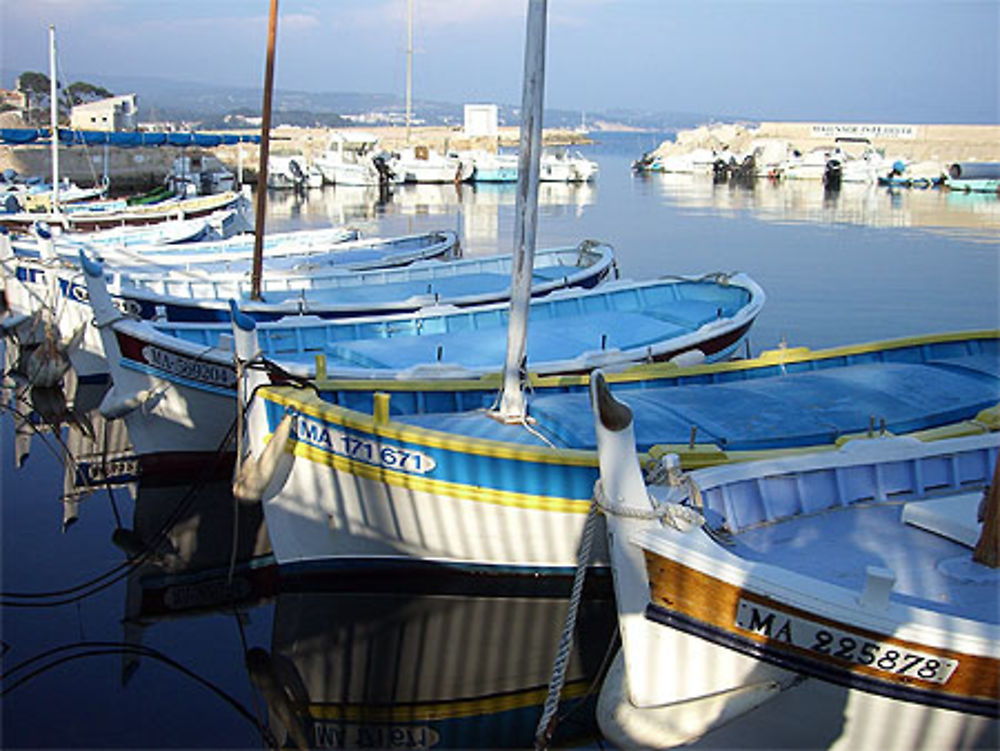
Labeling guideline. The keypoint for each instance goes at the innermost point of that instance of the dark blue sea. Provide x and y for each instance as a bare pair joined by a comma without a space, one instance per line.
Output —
140,615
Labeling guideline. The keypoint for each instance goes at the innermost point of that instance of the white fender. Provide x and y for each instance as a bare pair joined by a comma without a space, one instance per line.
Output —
254,475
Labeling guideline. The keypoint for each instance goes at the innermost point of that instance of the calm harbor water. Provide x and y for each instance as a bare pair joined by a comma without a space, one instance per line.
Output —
105,645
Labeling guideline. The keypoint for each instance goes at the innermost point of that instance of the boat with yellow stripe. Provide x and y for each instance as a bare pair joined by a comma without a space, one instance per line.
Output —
183,377
404,473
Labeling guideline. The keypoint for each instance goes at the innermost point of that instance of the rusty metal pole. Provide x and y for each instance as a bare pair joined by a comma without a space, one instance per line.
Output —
265,133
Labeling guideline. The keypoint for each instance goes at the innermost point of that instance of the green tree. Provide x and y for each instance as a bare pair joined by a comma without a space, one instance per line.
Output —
35,87
80,92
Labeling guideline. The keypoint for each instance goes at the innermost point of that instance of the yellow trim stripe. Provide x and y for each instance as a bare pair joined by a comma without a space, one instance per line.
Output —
309,404
472,493
442,710
787,355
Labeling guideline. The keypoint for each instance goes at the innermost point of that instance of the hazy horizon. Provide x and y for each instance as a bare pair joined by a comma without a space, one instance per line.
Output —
876,61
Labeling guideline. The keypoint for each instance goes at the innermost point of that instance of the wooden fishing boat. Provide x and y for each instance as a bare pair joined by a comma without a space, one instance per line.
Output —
215,226
287,253
825,600
191,370
82,219
404,473
298,263
336,293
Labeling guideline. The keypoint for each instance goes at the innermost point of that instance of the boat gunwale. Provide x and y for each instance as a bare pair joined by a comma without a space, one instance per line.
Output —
905,621
659,371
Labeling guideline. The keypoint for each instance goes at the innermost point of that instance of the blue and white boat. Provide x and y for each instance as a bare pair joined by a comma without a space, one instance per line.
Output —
187,369
41,282
335,293
421,473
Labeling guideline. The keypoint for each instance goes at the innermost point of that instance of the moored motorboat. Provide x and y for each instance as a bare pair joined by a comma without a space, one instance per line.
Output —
822,600
420,164
354,158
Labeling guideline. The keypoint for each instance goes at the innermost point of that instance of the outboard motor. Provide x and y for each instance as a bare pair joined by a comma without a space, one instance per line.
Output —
297,173
745,174
833,174
382,165
10,204
720,171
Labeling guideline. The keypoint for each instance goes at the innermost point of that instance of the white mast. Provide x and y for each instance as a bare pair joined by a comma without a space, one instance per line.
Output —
54,117
409,69
512,405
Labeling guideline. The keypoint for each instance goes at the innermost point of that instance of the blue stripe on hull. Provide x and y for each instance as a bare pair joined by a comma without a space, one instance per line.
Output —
476,471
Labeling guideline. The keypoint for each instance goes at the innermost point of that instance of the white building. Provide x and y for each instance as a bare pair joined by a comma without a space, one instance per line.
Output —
114,113
481,120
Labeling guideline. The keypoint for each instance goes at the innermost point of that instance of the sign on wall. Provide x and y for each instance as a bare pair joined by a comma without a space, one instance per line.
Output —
863,130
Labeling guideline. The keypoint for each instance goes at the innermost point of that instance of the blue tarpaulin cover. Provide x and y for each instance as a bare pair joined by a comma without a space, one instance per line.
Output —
127,139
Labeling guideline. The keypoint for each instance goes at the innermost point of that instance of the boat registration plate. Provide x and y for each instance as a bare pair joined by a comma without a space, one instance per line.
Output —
842,645
332,440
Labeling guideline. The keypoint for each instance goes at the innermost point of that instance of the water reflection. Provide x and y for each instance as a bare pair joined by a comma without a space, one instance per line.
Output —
434,663
353,660
329,659
479,212
853,203
65,420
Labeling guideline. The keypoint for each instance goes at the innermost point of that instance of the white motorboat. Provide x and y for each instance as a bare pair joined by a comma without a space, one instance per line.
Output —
353,158
420,164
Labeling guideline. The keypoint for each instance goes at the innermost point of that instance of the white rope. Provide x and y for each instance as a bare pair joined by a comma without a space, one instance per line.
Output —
546,728
678,516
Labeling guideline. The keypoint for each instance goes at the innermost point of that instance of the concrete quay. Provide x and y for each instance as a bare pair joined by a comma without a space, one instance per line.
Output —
144,168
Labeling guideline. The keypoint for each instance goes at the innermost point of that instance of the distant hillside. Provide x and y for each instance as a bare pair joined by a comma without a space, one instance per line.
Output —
209,105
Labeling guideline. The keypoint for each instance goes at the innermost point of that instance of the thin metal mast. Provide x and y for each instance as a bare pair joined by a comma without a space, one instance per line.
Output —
54,117
512,406
409,70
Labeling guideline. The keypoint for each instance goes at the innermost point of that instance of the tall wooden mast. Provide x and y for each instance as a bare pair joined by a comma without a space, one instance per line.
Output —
265,141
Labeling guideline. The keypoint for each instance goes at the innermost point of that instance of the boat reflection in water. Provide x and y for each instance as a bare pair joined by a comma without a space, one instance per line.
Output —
480,212
433,662
356,661
95,453
363,661
853,203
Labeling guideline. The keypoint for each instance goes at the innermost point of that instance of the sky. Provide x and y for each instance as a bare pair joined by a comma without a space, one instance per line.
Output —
887,61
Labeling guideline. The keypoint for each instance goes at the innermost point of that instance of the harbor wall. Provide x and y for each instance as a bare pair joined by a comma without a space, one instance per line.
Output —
144,168
136,169
915,142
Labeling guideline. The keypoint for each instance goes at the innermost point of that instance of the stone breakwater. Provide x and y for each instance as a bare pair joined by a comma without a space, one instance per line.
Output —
144,168
919,143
